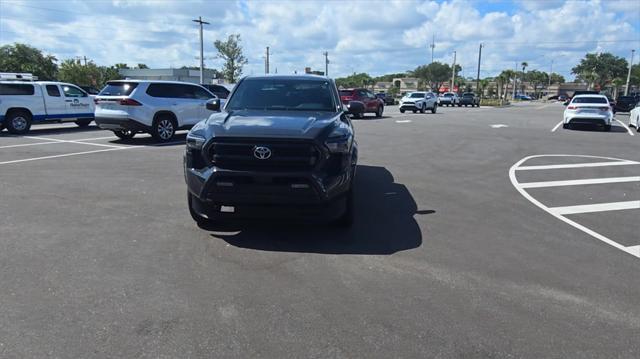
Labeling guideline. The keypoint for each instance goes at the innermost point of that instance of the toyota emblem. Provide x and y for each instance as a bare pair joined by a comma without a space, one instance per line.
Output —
261,152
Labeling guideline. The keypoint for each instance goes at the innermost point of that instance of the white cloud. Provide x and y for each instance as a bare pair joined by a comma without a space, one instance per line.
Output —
374,36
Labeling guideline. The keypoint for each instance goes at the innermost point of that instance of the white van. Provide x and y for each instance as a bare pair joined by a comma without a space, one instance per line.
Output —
25,103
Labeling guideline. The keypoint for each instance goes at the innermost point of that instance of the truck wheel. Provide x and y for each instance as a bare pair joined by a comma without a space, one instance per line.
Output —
606,128
459,104
83,122
422,108
163,128
18,122
193,203
346,220
401,110
434,108
414,111
124,134
566,126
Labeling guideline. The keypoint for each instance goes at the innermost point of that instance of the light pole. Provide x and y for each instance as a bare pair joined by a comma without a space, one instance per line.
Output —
199,21
626,89
453,72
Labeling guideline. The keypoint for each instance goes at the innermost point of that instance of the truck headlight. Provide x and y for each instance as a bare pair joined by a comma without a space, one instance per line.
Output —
339,141
195,141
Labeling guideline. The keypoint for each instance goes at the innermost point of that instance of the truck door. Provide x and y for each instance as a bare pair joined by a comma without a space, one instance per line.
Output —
78,103
55,104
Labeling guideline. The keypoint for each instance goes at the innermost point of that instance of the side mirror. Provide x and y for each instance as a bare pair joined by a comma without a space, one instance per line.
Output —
213,105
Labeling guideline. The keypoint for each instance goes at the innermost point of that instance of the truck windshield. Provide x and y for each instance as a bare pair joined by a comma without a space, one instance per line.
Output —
417,95
283,94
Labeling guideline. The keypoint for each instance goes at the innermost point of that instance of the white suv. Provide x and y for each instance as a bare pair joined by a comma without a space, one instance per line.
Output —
159,108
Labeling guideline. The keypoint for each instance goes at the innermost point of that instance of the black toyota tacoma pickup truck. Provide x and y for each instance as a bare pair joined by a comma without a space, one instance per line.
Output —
282,147
469,98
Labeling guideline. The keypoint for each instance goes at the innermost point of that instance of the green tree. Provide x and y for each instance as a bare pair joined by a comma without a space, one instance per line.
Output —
635,75
25,58
505,78
557,78
108,74
231,52
355,80
483,85
600,69
142,66
121,66
84,75
537,79
389,77
435,74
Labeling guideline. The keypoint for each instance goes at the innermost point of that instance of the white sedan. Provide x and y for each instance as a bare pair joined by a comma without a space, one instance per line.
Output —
588,110
634,117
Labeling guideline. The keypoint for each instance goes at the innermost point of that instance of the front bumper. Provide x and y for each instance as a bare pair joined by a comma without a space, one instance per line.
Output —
258,194
410,106
110,123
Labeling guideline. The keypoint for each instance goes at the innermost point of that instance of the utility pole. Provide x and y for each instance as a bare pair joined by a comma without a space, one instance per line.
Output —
432,46
199,21
478,76
626,89
266,62
515,81
453,72
550,72
326,63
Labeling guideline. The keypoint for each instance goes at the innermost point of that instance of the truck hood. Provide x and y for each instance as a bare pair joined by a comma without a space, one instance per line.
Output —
272,124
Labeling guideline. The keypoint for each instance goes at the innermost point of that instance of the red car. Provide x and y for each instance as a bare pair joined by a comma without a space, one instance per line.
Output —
370,102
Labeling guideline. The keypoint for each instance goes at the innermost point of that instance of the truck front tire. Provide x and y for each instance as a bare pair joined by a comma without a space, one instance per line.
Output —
18,122
83,122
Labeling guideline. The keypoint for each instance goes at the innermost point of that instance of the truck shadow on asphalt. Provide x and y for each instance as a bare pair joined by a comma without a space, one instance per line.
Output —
384,224
35,131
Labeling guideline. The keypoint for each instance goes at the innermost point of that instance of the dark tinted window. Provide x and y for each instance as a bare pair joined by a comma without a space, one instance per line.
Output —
163,90
118,88
467,95
53,90
283,94
589,100
200,93
346,93
16,89
417,95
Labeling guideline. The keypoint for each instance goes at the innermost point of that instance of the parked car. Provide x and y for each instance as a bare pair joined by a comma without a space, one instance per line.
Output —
522,98
588,110
370,103
419,101
281,148
25,103
386,98
626,103
563,98
470,98
159,108
449,99
634,117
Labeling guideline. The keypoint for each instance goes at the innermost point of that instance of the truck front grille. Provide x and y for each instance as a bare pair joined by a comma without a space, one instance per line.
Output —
286,155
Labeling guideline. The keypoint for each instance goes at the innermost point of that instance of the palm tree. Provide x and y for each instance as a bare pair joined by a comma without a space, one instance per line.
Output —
524,65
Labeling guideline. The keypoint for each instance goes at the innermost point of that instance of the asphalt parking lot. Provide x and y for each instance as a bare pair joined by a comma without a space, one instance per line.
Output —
479,232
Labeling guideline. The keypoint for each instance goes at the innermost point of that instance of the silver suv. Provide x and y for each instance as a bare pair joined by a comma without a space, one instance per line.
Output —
159,108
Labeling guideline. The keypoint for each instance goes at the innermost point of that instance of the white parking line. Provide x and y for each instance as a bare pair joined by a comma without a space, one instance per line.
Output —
73,141
579,182
597,207
97,138
29,144
558,212
64,155
403,121
578,165
556,126
625,126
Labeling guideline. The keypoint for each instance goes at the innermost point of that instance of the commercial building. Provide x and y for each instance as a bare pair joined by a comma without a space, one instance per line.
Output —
186,75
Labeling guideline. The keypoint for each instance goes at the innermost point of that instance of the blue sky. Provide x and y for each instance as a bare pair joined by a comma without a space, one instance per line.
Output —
377,37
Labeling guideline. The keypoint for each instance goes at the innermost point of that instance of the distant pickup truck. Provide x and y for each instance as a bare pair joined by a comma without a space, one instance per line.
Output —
24,103
469,98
